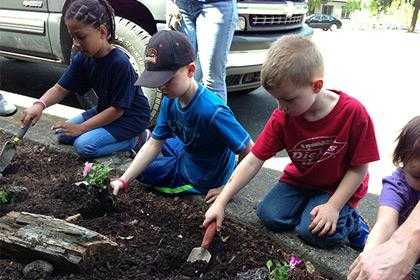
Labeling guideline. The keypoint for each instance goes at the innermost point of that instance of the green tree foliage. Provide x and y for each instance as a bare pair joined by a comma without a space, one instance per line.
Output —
382,6
313,5
352,5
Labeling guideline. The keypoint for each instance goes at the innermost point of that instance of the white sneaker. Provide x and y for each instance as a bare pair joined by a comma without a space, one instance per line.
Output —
6,108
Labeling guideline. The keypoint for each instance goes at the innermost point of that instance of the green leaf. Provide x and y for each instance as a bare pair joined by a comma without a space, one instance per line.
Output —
277,271
98,177
4,197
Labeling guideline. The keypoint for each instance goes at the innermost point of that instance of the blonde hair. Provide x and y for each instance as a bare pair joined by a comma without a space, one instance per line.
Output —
291,59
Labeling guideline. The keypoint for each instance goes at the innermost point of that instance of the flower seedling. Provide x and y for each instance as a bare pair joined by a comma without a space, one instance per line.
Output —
96,180
280,271
96,175
277,271
4,197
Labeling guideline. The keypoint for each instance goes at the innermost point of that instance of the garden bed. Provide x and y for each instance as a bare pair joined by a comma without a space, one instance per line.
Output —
155,233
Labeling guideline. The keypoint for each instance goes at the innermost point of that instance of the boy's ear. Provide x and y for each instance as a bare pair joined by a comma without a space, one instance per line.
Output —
317,85
191,70
103,31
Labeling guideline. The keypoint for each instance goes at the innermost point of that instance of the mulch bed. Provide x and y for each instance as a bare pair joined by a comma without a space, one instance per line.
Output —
155,233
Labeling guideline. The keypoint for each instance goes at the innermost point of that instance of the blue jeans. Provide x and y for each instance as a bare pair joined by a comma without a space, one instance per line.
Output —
210,28
286,208
163,173
95,143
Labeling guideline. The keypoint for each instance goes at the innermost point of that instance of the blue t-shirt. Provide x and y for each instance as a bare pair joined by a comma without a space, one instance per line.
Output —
112,77
210,133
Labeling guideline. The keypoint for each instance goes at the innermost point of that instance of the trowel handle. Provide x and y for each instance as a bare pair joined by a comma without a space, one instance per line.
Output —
23,131
209,235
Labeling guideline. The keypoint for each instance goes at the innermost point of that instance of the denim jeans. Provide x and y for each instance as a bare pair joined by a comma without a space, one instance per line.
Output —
163,174
210,27
94,143
286,208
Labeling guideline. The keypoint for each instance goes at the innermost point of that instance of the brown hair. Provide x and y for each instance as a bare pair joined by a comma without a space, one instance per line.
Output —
408,142
291,59
91,12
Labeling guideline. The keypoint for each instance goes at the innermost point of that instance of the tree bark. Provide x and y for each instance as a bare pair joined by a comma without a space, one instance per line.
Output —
43,237
412,27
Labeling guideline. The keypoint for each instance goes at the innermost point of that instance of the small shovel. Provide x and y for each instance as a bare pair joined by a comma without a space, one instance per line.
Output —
9,149
202,253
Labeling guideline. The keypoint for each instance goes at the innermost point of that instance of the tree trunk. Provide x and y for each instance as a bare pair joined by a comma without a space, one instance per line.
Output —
43,237
412,27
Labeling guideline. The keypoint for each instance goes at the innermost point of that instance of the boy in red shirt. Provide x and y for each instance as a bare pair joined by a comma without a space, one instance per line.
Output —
330,140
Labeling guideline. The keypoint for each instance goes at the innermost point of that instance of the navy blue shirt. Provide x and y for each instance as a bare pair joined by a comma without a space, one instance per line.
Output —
210,133
112,77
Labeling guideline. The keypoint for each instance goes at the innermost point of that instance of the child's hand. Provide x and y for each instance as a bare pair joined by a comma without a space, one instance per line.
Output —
212,194
215,212
324,219
69,129
31,114
116,186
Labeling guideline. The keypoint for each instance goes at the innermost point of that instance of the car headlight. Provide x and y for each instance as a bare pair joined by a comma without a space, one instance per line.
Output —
241,24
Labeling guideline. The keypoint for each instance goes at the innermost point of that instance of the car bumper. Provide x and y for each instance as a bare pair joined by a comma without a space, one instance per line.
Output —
247,55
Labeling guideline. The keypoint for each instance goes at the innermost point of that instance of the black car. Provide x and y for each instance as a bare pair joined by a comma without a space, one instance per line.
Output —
326,22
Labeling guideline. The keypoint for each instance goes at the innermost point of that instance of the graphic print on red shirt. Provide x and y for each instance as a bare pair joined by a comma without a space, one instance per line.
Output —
321,151
315,150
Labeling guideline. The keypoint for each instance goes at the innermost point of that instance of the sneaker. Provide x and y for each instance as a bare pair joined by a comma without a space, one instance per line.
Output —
140,140
6,108
358,240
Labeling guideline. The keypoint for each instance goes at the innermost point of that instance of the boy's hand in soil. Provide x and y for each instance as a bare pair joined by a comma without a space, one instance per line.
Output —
324,219
69,129
212,194
215,212
116,186
31,114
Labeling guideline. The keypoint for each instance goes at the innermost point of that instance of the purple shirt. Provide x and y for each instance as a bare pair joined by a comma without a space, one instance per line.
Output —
397,194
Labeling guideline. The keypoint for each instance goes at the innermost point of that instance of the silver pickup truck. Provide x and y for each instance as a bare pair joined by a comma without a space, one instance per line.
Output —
33,30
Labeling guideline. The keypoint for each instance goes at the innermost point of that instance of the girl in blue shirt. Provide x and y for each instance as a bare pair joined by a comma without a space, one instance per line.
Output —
121,117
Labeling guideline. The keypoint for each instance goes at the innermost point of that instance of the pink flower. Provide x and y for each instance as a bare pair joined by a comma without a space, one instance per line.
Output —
295,261
87,168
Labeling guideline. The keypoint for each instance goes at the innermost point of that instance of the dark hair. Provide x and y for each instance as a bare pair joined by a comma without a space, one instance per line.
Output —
91,12
408,142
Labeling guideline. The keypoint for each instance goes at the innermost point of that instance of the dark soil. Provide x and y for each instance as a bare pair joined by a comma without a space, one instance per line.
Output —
155,233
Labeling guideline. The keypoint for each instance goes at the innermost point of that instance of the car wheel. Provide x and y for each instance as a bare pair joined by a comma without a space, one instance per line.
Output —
334,27
132,39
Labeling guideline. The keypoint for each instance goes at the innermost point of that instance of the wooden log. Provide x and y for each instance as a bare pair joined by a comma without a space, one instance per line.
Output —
64,244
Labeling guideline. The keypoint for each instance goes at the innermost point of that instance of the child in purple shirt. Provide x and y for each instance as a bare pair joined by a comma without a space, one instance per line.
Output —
401,191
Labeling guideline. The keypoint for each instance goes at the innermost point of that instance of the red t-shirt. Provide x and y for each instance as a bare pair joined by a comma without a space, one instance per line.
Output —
321,151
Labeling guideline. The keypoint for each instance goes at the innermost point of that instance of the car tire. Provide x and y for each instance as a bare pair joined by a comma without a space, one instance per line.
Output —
132,39
334,27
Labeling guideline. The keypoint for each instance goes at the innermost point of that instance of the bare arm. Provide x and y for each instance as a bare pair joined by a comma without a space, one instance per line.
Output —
246,151
146,154
105,117
325,216
394,258
410,231
385,226
243,173
348,186
52,96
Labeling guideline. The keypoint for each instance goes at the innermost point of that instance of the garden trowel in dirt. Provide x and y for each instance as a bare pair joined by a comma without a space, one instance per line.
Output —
9,149
202,253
